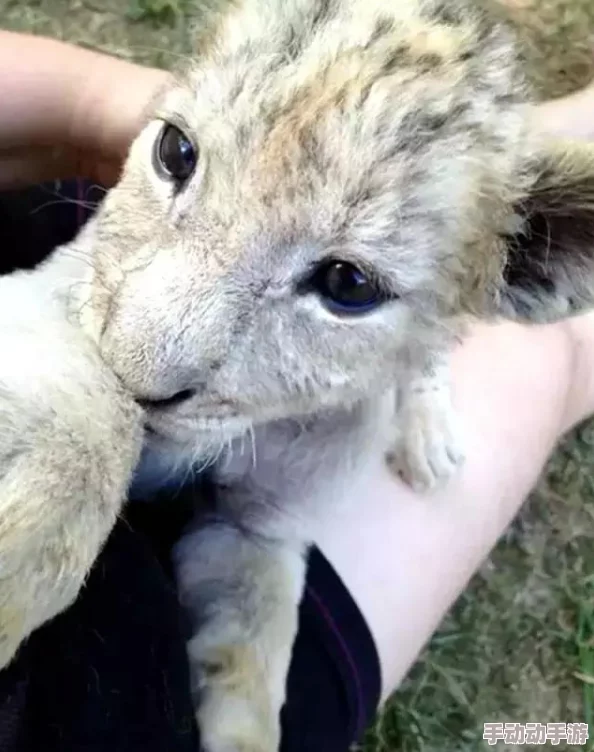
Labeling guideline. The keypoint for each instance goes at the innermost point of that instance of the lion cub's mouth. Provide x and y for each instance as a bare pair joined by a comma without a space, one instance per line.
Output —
189,424
161,403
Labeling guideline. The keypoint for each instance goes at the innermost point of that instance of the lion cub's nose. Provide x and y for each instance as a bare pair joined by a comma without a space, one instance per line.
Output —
162,402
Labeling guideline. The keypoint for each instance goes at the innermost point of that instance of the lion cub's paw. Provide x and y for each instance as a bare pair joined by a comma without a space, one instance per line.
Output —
428,448
235,713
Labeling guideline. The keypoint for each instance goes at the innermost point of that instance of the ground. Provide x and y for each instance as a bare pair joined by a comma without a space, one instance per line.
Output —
519,645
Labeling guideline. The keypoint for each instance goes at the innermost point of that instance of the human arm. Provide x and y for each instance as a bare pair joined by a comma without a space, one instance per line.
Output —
67,111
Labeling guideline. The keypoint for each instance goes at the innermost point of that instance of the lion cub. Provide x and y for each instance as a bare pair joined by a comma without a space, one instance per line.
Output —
311,213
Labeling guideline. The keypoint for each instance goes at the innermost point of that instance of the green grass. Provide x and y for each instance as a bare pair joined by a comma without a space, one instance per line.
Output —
156,12
519,644
585,653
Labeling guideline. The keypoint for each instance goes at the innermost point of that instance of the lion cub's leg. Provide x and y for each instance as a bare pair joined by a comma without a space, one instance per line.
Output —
427,448
69,440
242,592
242,575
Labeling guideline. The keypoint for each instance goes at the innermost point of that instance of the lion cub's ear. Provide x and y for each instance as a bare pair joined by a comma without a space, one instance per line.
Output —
550,258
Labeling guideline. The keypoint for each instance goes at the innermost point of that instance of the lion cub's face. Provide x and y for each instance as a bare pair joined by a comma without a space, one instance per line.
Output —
318,192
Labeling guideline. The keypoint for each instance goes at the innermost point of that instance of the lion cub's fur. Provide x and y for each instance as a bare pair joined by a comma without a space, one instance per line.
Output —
391,135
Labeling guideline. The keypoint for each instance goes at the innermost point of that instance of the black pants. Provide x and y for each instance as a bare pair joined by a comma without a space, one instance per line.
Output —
110,674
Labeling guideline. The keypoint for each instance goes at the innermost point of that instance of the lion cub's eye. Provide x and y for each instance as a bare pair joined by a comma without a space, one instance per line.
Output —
175,155
346,289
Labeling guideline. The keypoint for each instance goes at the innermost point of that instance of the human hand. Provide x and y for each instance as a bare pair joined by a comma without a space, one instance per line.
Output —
67,111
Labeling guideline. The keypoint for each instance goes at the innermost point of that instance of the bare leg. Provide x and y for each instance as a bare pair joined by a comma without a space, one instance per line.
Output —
517,389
